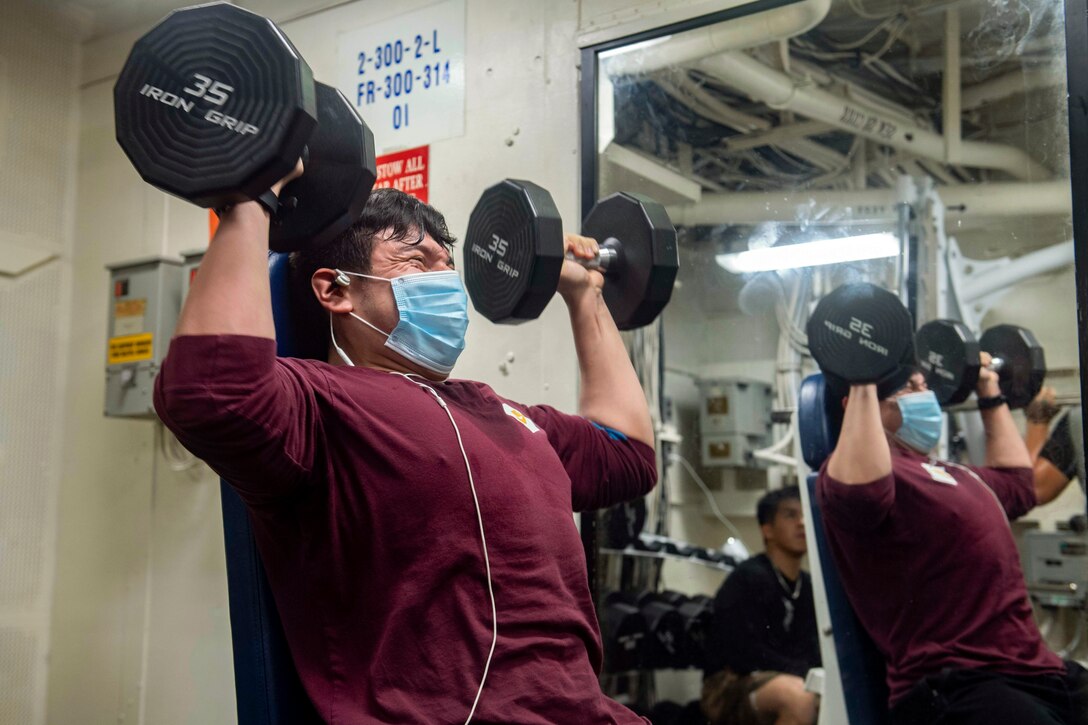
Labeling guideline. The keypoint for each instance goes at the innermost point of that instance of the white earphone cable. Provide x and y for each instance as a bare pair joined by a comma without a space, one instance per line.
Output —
483,541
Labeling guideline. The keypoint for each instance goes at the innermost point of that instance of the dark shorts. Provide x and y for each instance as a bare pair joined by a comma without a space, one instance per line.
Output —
976,697
727,698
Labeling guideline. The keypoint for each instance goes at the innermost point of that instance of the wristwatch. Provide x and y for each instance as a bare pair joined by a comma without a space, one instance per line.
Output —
992,402
268,200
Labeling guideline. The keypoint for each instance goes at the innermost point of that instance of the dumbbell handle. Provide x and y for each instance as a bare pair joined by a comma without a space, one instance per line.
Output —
996,364
608,256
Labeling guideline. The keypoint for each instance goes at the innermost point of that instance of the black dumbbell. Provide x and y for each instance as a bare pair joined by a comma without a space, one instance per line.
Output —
623,631
714,556
697,614
215,105
949,356
514,254
679,548
860,333
653,546
672,597
623,523
665,628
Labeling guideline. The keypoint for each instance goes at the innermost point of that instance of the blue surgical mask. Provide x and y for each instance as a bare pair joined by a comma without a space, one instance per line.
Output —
921,429
433,309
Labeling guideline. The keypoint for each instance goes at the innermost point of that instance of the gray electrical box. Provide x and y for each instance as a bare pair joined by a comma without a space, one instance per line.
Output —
734,421
144,300
1056,567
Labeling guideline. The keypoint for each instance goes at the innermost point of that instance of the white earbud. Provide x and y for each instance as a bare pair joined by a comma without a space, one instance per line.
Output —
342,279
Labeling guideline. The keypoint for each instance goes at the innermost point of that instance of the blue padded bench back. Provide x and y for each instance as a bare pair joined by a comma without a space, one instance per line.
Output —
860,664
266,683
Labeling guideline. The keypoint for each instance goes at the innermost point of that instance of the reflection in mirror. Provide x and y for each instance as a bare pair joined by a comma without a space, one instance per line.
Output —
921,146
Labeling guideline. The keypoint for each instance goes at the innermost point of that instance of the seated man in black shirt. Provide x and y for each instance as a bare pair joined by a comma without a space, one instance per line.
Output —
763,640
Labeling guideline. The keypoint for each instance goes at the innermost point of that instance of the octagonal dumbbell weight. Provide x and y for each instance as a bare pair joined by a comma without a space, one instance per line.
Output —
665,632
623,631
949,356
215,105
860,333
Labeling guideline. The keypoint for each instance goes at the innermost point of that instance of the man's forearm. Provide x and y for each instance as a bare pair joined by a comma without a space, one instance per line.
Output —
1004,446
230,295
610,391
862,454
1036,438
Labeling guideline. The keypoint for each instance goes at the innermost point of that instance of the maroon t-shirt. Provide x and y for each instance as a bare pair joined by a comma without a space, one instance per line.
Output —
364,517
928,560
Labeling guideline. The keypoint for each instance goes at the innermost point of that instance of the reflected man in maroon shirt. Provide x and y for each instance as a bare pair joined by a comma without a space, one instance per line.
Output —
928,560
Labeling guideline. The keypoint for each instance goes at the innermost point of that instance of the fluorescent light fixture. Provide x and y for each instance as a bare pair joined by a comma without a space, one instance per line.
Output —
812,254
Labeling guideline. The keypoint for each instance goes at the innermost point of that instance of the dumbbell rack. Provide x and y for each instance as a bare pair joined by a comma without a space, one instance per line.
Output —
633,568
632,550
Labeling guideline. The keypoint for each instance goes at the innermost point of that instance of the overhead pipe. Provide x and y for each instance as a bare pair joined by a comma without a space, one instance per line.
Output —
745,32
1007,199
1010,84
755,207
779,91
1015,270
776,135
815,153
996,200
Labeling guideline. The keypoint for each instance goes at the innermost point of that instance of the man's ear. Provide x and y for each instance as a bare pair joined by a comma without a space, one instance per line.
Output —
766,529
331,291
845,398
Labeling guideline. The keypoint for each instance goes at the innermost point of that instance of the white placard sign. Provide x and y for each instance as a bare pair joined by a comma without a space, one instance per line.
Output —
406,76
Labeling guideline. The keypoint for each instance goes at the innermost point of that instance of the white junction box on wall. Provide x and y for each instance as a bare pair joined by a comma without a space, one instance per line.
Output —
145,298
734,421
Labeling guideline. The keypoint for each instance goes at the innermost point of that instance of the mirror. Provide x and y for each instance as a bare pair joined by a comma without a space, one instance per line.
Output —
922,146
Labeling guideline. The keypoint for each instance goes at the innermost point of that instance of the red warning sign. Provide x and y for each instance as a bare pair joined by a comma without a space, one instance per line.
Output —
405,170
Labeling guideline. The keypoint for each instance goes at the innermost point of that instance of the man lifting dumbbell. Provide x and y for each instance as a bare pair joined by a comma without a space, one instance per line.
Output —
416,530
923,546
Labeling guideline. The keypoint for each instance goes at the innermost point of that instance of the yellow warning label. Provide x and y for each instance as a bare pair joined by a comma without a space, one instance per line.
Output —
129,308
130,348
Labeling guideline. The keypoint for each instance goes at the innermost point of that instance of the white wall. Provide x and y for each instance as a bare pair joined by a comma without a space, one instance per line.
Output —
38,117
140,617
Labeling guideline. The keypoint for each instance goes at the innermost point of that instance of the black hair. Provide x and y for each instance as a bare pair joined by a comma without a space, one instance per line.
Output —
767,508
402,215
